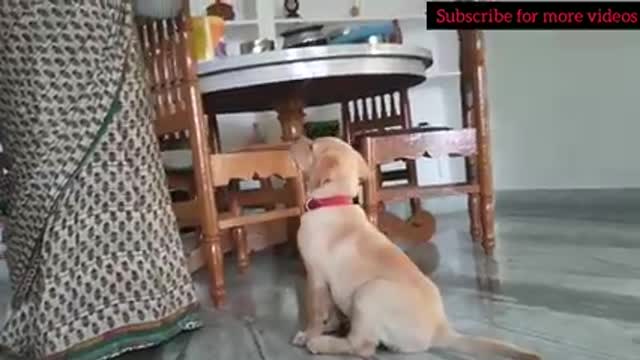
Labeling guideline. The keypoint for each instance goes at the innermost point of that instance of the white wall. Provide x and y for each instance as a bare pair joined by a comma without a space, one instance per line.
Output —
565,108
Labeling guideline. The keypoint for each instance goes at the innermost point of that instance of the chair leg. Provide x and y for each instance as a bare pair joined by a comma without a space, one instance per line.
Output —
266,185
474,77
372,209
488,222
412,171
474,217
487,202
371,185
483,170
295,194
293,224
215,264
290,248
416,205
205,189
298,199
239,236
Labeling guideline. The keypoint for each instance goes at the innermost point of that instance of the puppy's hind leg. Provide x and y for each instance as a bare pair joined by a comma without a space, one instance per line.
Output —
357,343
334,320
362,340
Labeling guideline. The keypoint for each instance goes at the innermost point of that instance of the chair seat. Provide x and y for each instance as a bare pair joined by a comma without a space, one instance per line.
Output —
227,220
264,147
416,130
181,160
402,192
438,142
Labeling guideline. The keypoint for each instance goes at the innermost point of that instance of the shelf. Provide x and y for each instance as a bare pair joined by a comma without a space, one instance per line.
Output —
282,21
240,23
443,75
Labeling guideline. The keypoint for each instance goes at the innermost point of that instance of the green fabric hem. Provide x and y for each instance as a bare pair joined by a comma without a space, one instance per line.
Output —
137,340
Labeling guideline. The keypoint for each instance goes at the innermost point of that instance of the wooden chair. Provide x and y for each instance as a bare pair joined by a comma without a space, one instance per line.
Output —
386,147
383,112
256,165
379,113
383,115
475,115
179,118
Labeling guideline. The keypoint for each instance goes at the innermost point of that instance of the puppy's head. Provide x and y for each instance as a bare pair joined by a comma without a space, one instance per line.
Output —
331,167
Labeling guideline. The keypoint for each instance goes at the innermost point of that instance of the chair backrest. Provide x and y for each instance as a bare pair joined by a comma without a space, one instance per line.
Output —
251,165
166,45
173,82
379,112
414,144
371,114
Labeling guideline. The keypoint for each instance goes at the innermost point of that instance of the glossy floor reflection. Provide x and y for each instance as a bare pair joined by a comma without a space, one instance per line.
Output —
565,282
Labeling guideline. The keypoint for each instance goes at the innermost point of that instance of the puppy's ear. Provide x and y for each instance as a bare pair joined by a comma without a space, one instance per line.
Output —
364,173
302,153
325,170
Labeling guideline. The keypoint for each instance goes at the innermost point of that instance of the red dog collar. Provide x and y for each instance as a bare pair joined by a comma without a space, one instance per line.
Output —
313,204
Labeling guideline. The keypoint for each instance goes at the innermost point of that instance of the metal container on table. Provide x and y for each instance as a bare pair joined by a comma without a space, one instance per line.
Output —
305,36
257,46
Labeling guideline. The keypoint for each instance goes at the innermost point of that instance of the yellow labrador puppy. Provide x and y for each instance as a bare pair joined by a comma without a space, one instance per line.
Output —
351,265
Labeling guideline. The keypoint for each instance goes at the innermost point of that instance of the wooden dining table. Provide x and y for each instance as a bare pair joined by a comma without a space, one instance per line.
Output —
289,80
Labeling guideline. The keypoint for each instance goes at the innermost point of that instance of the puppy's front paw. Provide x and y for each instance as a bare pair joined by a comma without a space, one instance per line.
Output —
317,344
300,339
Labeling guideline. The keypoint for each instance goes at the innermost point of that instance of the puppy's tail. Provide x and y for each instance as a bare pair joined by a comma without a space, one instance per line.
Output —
482,346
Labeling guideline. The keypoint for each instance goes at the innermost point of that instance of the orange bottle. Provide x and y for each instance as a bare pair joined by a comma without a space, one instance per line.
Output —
207,32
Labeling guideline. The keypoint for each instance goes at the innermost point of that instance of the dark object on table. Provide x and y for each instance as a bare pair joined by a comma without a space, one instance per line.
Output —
382,32
316,129
222,10
304,36
354,11
292,7
256,46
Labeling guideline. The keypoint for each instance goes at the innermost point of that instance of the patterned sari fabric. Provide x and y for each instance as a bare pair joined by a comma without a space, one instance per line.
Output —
94,255
4,184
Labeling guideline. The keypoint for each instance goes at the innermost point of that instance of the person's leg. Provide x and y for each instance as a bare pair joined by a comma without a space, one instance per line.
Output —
92,243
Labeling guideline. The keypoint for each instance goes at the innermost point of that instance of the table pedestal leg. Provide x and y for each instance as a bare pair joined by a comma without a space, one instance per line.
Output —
419,228
291,116
420,219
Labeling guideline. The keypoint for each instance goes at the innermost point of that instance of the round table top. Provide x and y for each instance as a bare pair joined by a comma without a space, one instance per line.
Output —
320,75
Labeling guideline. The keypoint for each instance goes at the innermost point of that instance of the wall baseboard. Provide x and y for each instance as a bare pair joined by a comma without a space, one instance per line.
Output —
507,201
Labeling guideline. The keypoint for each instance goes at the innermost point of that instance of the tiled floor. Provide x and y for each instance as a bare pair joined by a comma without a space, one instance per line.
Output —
565,281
